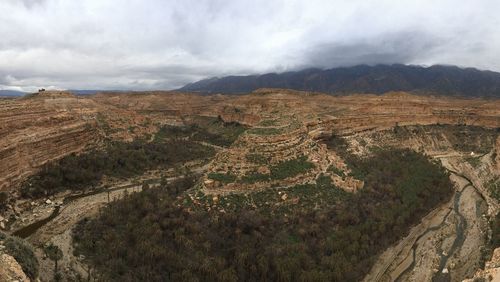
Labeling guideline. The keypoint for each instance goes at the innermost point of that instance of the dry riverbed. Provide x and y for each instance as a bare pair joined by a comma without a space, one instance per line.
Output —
446,245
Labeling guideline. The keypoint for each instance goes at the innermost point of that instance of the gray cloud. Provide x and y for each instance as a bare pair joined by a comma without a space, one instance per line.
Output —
156,44
401,47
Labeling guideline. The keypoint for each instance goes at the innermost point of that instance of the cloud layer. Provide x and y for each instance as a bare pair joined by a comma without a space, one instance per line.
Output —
158,44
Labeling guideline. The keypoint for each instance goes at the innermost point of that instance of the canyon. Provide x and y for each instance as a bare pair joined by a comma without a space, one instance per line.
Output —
285,127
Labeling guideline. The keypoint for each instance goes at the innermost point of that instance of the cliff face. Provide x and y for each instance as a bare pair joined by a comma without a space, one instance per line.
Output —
10,270
50,125
37,130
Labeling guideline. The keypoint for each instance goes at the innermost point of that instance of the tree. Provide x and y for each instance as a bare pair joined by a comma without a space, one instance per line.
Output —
54,253
4,199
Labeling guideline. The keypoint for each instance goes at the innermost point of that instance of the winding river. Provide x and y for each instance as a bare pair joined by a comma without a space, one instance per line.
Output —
439,248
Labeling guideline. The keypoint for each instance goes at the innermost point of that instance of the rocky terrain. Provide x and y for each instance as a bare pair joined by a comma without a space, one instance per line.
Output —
447,244
46,126
10,270
285,129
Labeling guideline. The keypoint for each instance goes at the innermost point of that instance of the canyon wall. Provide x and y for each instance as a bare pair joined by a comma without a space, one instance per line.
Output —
50,125
37,130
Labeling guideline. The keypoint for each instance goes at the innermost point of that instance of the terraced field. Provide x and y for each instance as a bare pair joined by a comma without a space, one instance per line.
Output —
278,152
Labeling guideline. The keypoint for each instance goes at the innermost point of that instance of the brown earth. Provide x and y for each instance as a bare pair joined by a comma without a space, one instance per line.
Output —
10,270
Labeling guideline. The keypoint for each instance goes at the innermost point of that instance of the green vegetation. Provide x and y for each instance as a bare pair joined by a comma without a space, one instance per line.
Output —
340,146
205,129
494,240
265,131
303,233
290,168
54,253
255,177
493,187
281,170
118,159
4,200
473,161
22,252
335,170
222,177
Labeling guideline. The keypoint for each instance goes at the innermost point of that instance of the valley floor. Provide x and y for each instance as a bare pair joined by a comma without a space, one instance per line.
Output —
447,244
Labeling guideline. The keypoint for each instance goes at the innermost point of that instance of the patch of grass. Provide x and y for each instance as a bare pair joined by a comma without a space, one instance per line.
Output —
291,168
255,177
173,132
473,161
280,171
265,131
493,187
336,170
222,177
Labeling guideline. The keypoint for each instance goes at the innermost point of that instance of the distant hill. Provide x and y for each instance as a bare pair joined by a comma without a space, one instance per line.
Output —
438,79
11,93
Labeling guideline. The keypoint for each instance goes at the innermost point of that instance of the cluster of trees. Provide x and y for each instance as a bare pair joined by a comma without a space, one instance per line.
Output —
222,177
281,170
206,129
155,236
118,159
4,200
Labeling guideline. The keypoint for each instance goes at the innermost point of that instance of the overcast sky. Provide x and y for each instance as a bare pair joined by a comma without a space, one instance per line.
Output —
163,44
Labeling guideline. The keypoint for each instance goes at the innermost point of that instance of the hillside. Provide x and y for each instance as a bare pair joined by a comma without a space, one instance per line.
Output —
437,80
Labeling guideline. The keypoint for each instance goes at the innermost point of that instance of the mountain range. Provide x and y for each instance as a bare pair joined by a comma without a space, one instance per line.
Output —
11,93
378,79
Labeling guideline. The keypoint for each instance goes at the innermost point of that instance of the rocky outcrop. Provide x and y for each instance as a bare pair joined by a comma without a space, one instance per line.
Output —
491,271
10,270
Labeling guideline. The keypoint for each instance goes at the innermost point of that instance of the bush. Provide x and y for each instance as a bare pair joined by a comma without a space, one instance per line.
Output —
4,200
23,253
222,177
290,168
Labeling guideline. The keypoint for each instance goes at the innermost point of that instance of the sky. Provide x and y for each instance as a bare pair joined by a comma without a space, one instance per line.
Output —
164,44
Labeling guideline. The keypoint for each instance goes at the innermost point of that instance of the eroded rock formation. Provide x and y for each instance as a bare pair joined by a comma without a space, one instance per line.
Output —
10,270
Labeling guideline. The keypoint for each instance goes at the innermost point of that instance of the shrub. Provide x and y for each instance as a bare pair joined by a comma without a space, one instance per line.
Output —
290,168
4,200
222,177
23,253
